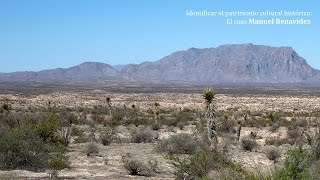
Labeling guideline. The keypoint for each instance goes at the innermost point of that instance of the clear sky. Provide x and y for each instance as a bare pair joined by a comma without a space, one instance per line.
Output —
42,34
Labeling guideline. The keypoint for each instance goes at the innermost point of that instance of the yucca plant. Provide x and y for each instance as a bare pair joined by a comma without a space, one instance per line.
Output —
108,101
210,114
208,95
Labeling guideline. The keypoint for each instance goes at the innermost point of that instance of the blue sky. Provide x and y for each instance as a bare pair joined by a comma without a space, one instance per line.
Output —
42,34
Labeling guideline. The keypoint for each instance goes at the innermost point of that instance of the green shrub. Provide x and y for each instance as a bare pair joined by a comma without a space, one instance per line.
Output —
296,165
179,144
58,160
47,128
22,149
198,165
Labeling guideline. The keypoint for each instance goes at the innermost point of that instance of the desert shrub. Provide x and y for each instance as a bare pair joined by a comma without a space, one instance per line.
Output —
91,149
296,165
248,144
232,171
5,107
99,110
273,154
125,116
255,122
69,117
137,167
98,118
76,131
142,135
179,144
293,134
180,118
12,120
82,138
47,128
198,166
185,115
276,141
23,148
169,121
226,125
58,160
106,136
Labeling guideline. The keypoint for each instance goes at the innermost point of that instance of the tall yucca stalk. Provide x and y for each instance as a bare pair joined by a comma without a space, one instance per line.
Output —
210,115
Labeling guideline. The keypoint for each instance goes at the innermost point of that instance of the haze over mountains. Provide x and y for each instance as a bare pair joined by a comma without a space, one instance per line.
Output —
237,63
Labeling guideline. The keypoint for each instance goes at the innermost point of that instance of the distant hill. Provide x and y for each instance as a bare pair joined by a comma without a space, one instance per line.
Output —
236,63
84,70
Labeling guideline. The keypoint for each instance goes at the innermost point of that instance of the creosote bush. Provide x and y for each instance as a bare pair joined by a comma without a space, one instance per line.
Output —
142,135
31,141
179,144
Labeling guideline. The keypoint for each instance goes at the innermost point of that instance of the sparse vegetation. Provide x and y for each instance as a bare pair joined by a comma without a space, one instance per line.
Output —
38,138
248,144
179,144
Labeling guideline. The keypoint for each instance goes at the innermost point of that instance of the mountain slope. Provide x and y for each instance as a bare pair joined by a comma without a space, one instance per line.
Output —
239,63
245,63
84,70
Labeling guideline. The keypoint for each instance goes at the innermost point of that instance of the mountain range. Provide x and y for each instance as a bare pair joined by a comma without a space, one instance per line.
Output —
235,63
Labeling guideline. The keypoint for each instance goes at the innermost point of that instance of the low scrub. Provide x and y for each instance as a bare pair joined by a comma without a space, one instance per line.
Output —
200,164
248,144
24,149
137,167
179,144
91,149
273,154
142,135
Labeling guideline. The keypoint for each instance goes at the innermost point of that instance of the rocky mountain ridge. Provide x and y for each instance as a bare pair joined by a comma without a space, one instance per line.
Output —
236,63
